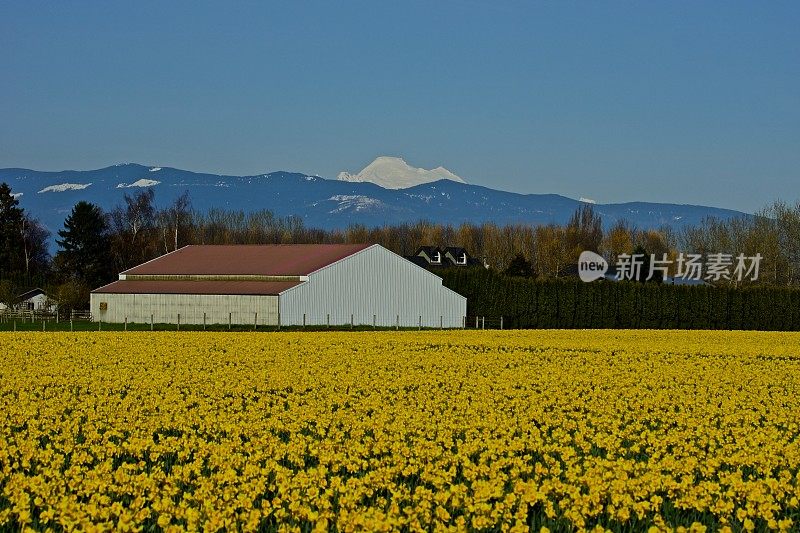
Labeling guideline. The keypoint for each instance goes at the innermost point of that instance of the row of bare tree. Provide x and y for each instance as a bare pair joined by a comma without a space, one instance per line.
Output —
141,232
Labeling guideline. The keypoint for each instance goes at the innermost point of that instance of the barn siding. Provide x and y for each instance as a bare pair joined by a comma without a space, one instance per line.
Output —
166,307
373,282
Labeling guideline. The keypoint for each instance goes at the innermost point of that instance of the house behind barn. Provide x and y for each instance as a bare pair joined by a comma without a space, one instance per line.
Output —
34,300
450,257
293,284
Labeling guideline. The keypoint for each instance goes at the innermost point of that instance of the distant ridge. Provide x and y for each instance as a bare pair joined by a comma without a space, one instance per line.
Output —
326,203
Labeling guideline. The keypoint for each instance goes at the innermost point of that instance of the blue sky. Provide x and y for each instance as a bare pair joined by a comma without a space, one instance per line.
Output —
688,102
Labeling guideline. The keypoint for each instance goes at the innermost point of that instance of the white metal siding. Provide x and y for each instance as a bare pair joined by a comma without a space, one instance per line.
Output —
166,307
375,282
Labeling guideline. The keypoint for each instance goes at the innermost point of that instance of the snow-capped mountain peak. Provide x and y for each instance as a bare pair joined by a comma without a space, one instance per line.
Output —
395,173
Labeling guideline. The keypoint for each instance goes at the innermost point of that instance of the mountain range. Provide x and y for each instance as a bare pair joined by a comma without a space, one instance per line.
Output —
327,203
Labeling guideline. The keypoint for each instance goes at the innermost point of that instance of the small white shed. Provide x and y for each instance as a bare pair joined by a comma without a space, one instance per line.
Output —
34,300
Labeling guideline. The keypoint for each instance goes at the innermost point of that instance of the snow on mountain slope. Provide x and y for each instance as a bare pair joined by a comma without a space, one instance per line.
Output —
139,183
355,202
61,187
395,173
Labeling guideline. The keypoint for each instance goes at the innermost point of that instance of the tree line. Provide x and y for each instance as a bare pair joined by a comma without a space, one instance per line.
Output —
572,304
94,245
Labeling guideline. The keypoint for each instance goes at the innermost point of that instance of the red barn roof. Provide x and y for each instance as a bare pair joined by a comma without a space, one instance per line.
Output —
247,259
221,261
241,288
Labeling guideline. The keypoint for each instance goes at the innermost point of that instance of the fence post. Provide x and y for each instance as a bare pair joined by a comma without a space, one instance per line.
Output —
70,323
15,325
304,321
397,323
99,325
374,321
328,321
501,322
179,321
441,322
279,320
255,322
351,320
43,323
126,324
483,322
204,321
463,322
230,318
476,321
419,326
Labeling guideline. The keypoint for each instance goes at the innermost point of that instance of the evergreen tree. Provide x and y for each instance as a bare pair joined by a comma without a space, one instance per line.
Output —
11,242
85,246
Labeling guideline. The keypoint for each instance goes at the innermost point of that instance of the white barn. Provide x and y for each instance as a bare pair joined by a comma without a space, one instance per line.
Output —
290,285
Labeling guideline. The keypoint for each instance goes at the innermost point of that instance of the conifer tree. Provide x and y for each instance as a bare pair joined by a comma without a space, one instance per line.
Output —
11,241
85,249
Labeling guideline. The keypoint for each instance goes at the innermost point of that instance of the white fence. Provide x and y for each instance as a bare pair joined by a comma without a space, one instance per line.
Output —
329,321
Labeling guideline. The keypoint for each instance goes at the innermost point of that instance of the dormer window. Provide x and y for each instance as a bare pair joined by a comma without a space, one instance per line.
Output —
436,258
462,259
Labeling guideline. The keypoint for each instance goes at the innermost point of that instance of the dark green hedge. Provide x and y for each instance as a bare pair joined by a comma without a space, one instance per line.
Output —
526,303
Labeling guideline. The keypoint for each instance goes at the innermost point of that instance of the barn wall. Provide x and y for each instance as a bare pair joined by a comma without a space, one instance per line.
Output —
373,282
165,308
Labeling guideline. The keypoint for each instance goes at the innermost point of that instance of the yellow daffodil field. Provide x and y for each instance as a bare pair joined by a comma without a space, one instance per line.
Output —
384,431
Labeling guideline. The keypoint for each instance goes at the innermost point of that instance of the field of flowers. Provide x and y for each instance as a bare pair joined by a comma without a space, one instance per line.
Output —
564,430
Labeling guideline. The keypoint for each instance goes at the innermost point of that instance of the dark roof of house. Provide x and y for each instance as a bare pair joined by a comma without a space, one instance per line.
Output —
31,293
429,250
455,250
232,260
258,288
